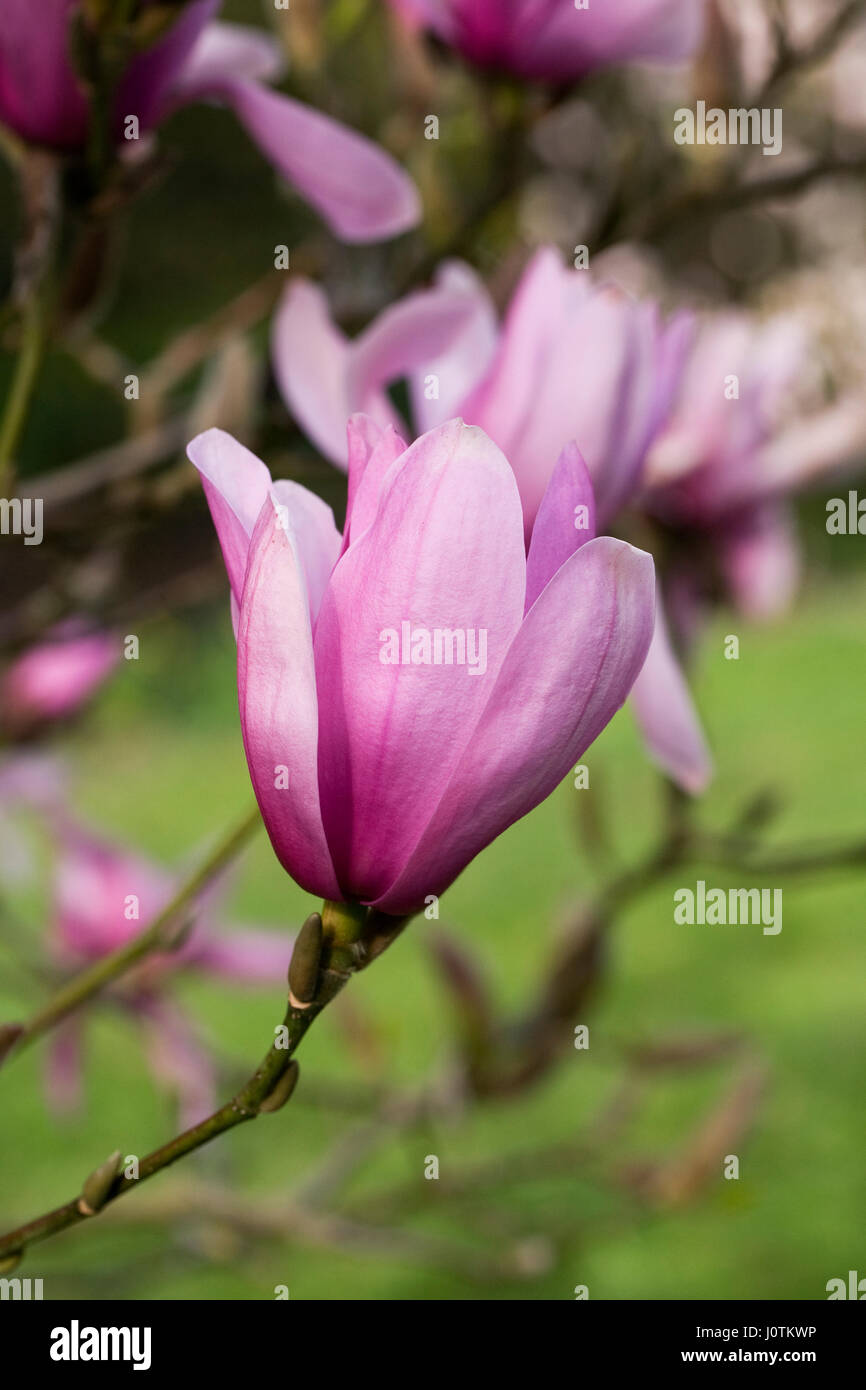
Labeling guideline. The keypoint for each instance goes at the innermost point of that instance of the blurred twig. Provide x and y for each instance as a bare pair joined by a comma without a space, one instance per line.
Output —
274,1218
793,62
348,942
111,465
676,1179
31,292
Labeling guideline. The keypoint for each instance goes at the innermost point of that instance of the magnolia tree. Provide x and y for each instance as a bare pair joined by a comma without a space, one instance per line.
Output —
541,373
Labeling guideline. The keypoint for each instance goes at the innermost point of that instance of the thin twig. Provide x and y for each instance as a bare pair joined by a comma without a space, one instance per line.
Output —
351,938
162,933
274,1218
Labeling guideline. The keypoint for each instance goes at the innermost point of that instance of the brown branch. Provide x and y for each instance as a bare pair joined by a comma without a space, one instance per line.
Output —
348,938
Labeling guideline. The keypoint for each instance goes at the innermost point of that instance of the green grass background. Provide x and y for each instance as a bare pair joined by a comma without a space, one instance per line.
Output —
160,763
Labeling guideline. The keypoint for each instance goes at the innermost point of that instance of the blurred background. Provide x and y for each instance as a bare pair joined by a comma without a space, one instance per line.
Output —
601,1170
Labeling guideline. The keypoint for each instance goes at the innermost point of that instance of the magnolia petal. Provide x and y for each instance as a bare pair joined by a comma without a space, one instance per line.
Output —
669,722
445,551
246,955
570,42
760,557
236,484
565,521
148,86
178,1059
362,436
40,97
568,671
311,366
278,703
316,534
63,1076
414,335
368,474
456,371
359,190
224,52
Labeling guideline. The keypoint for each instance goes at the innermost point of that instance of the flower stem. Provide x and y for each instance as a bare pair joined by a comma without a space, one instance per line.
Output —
242,1107
352,938
34,338
39,182
162,933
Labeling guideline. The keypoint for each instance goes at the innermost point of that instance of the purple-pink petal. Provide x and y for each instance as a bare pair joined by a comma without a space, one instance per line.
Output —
40,97
565,521
367,471
360,191
245,955
236,484
53,679
445,551
665,711
568,670
278,704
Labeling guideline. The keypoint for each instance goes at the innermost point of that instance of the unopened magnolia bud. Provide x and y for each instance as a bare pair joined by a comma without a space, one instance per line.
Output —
99,1184
9,1262
304,965
282,1091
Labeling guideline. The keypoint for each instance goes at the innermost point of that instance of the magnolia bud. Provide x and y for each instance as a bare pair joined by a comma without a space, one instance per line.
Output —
97,1187
304,965
281,1091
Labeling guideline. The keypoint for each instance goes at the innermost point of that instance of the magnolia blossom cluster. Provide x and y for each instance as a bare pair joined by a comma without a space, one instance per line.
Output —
736,447
357,188
560,40
413,685
572,361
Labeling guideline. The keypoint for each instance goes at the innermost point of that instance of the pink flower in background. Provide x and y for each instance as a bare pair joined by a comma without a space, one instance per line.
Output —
380,771
553,40
736,447
357,188
52,680
103,896
571,361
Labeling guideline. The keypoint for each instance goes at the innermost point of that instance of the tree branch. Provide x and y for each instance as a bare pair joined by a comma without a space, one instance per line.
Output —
328,951
163,933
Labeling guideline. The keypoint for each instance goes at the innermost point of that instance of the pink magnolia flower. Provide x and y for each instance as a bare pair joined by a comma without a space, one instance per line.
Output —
722,471
557,41
356,187
103,896
52,680
572,361
409,690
